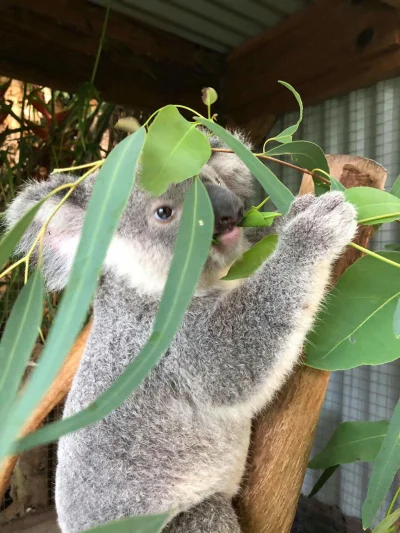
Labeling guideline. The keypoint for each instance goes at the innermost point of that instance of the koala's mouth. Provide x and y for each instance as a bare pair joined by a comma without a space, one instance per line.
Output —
229,237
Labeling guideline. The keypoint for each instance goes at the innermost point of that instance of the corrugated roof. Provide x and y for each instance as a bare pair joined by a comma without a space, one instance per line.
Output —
217,24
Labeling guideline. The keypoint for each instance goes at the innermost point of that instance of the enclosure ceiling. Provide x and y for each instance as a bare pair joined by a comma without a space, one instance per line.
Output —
218,24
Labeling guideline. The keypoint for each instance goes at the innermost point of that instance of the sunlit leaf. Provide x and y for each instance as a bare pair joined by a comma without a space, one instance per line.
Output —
280,195
351,441
385,525
373,205
386,466
109,198
356,325
324,477
134,524
18,339
254,218
175,150
251,260
191,251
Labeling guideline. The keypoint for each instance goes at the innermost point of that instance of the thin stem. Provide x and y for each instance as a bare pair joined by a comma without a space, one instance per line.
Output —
67,169
392,504
290,165
373,254
262,203
100,48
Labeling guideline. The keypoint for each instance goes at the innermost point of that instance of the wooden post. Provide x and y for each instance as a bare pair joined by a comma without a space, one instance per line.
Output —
283,434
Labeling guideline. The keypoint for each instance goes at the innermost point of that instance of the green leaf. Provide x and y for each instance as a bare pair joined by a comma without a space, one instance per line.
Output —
286,135
191,252
386,466
395,190
324,477
351,441
18,339
385,525
336,185
175,150
306,155
13,236
396,320
280,195
251,260
373,205
254,218
109,198
356,326
134,524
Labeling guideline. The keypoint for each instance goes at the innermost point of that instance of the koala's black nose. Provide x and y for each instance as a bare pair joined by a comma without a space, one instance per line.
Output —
228,208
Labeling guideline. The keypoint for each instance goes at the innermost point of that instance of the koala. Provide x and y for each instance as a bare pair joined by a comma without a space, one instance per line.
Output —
179,443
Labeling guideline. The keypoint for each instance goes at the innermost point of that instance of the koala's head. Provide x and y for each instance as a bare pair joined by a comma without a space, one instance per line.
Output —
142,248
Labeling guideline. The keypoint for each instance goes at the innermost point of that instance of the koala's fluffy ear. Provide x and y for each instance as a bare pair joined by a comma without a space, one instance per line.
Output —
63,233
230,169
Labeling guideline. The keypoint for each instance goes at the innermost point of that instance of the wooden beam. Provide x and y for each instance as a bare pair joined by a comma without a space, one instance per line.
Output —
54,43
329,49
393,3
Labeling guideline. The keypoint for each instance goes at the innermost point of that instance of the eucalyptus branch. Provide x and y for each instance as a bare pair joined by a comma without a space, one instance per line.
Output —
280,162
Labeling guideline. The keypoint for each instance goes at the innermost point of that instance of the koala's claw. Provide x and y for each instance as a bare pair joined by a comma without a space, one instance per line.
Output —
321,226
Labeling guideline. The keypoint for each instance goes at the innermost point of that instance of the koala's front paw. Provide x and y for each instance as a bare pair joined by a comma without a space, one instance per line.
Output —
320,226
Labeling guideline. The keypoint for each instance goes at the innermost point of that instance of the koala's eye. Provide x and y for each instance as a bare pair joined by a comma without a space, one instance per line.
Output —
163,213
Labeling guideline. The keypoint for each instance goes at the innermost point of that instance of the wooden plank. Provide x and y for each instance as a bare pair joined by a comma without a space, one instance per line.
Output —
393,3
331,48
55,44
45,522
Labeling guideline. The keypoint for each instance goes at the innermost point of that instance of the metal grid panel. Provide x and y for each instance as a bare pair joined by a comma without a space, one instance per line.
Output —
218,24
366,123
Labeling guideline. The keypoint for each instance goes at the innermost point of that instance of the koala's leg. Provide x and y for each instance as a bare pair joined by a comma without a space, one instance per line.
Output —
214,515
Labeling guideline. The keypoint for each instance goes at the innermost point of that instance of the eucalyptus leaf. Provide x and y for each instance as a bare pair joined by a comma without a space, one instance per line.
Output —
251,260
351,441
373,205
395,190
324,477
175,150
396,320
13,236
18,339
134,524
280,195
254,218
336,185
306,155
109,198
286,135
386,466
190,254
385,525
356,325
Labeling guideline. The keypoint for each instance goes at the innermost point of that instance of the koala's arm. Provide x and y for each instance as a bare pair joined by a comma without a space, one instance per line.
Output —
62,235
254,335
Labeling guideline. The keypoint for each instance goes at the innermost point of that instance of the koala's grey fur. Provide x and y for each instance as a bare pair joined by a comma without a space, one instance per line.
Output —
179,443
